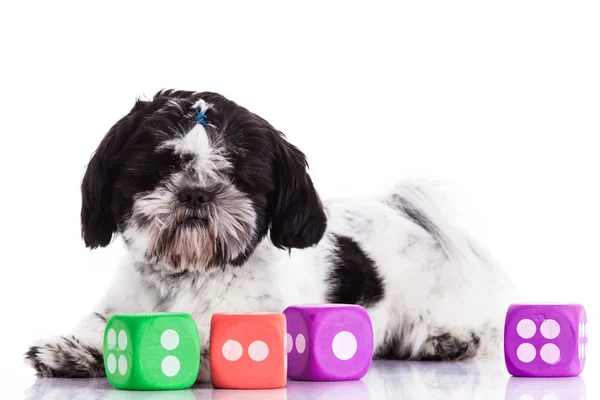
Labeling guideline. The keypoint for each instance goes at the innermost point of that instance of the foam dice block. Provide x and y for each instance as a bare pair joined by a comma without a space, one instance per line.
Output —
247,351
151,351
329,342
545,339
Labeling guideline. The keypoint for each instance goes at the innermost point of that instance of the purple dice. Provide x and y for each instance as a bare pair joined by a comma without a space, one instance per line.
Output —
545,339
329,342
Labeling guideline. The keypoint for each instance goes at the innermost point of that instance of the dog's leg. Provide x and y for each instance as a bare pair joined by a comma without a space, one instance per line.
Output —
79,353
420,340
452,343
449,344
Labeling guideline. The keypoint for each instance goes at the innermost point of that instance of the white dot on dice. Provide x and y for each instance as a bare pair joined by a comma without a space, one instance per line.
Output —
111,363
169,339
111,338
526,328
170,366
550,353
550,329
344,345
289,343
122,340
258,350
232,350
526,352
122,364
300,343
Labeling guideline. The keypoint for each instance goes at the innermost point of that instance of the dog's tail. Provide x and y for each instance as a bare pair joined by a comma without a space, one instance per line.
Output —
426,204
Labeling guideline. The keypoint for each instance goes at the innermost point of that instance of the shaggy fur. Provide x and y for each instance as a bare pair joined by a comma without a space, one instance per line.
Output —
222,216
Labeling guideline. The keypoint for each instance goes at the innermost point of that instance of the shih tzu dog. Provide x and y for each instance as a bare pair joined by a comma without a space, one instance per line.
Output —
219,214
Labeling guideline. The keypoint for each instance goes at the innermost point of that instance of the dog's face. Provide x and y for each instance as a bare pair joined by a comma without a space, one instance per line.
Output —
192,193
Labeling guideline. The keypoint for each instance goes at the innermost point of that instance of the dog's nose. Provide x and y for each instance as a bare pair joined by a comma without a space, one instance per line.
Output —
193,197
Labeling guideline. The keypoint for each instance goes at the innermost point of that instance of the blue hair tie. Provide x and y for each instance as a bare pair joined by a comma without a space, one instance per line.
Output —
201,118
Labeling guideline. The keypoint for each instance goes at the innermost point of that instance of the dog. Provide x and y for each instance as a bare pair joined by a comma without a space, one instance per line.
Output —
219,214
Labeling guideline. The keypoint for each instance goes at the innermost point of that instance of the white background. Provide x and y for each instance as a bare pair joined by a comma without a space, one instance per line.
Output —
499,100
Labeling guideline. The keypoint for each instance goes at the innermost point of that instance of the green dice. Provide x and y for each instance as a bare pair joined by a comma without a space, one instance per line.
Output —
151,351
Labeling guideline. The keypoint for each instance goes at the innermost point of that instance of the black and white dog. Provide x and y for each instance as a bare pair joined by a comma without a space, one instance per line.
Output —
219,214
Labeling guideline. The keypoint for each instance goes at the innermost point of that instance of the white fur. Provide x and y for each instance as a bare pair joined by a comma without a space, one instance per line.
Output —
234,216
427,287
209,162
423,287
202,105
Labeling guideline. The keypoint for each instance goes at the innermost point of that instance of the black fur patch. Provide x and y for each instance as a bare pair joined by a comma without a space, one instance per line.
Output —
417,216
396,346
392,350
354,278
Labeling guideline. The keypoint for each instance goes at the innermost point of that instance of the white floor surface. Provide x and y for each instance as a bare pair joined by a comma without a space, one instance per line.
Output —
481,379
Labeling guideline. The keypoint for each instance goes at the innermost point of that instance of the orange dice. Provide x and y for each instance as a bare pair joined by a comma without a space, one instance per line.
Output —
248,351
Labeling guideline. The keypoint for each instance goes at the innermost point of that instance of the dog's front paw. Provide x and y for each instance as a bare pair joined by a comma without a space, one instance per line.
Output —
65,357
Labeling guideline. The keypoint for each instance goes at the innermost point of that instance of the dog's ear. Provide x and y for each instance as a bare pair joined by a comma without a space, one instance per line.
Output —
297,219
98,223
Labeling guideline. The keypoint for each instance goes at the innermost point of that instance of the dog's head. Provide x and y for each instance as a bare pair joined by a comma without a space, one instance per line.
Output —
194,181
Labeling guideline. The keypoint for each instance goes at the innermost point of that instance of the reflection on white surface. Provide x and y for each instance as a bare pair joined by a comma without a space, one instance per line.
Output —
482,379
273,394
73,389
100,389
146,395
546,389
350,390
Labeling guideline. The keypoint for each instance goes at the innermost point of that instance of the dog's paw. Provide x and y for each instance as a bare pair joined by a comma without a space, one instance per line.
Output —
450,345
65,357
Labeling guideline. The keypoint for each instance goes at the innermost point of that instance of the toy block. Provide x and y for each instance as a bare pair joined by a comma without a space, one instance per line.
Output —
155,351
330,342
247,351
545,340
